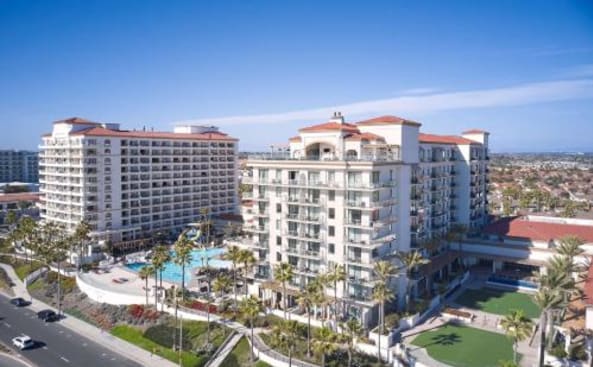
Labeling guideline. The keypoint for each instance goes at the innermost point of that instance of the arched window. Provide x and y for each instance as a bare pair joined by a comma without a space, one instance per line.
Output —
351,154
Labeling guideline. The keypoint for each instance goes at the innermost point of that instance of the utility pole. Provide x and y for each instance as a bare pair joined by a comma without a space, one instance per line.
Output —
176,305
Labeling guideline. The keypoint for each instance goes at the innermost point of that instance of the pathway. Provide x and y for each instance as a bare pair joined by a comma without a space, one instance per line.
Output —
226,350
118,345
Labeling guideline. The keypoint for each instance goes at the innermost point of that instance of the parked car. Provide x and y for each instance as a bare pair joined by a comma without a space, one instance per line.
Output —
47,315
23,342
20,302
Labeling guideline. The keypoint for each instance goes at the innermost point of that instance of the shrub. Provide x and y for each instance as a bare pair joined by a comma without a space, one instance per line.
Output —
578,352
392,321
558,351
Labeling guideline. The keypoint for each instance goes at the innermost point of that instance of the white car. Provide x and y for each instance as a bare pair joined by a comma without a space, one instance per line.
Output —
23,342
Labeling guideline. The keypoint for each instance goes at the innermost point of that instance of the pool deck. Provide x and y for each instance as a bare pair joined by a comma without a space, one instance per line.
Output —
133,286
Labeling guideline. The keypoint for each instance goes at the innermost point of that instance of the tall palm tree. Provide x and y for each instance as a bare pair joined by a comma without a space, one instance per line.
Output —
517,327
383,270
183,257
336,274
158,263
324,343
250,307
546,299
283,273
459,231
306,300
248,260
411,260
351,329
381,294
145,272
57,243
285,333
206,223
222,283
26,230
11,219
82,236
233,254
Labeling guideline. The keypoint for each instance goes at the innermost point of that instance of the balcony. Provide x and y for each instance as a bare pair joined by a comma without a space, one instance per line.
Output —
257,228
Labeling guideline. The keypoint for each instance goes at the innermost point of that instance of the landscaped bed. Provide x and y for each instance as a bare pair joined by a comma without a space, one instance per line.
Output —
463,346
498,302
159,339
240,356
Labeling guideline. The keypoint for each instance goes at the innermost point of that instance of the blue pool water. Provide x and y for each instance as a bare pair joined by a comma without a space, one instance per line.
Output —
172,271
512,282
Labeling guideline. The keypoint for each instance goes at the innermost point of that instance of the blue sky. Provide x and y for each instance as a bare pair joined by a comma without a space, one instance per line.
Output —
261,69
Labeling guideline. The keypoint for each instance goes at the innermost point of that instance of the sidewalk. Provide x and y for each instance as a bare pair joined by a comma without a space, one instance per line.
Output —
225,351
95,334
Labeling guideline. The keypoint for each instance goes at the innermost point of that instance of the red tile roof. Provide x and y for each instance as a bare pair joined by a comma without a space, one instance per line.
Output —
368,136
295,138
331,126
388,120
475,131
444,139
100,131
588,288
521,227
76,120
21,196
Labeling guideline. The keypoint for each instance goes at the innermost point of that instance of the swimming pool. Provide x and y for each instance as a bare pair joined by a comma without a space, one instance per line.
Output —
172,271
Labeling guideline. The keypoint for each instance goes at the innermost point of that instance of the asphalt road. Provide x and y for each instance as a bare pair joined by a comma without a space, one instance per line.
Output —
56,346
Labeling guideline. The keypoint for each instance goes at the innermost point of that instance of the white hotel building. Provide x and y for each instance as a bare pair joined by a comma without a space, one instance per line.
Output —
131,184
354,194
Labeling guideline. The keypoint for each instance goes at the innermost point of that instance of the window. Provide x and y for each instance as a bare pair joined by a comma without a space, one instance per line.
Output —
332,213
278,208
278,241
278,256
331,195
375,178
331,248
331,231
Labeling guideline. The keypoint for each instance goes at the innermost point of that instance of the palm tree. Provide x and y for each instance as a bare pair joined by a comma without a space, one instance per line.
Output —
570,247
250,307
82,236
283,273
145,272
57,243
247,259
222,283
411,261
336,274
383,270
306,300
26,230
158,264
11,219
234,255
517,327
183,257
381,294
546,299
459,231
285,333
206,223
351,329
324,343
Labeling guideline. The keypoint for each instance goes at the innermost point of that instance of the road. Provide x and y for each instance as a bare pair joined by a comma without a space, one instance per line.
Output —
56,346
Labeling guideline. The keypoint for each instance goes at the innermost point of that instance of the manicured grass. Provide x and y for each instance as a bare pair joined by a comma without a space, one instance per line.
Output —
239,356
463,346
22,269
135,336
498,302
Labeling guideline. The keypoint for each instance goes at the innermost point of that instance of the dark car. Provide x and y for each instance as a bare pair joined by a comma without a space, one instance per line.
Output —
20,302
47,315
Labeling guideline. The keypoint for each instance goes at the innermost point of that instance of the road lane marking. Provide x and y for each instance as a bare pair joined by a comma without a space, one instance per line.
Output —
45,347
84,344
7,324
64,359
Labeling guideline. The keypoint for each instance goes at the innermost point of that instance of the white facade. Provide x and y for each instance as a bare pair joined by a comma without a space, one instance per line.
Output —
130,184
344,194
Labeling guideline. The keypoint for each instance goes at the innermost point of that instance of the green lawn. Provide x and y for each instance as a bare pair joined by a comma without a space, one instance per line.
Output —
135,336
239,356
498,302
463,346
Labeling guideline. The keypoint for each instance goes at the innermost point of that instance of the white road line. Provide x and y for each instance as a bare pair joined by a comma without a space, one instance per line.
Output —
45,348
7,324
64,359
84,344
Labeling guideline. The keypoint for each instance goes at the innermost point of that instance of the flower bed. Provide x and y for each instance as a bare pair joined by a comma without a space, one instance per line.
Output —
201,306
452,312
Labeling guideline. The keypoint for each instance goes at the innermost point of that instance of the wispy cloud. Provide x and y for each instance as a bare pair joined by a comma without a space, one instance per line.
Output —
521,94
418,91
580,71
